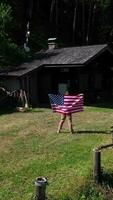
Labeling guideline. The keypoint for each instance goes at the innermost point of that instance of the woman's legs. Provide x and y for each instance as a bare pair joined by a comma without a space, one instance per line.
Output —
69,118
62,120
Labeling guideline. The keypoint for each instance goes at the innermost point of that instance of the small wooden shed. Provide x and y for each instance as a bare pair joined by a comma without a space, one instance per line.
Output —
87,69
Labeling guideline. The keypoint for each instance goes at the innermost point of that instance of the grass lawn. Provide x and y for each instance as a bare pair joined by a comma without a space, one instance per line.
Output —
30,148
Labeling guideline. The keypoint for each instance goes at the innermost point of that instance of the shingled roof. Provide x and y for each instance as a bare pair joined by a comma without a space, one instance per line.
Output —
73,56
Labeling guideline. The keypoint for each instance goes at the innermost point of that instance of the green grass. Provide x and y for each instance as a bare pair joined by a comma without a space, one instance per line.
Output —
30,148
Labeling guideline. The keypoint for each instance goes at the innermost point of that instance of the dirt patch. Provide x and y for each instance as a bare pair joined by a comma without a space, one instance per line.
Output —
5,143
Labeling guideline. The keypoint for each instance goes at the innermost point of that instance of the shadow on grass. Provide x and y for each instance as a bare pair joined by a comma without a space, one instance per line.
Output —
9,110
85,132
103,104
6,110
90,131
107,179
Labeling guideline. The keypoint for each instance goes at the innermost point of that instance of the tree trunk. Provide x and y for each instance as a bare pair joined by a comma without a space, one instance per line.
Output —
56,20
83,22
93,17
74,20
52,10
89,22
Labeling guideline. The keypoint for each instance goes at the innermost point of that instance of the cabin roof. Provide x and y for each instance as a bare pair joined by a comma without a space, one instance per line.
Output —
68,56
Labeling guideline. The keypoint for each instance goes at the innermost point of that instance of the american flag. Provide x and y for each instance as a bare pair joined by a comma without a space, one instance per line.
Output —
66,103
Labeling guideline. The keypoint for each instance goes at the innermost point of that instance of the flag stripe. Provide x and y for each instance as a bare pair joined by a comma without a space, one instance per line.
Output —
66,103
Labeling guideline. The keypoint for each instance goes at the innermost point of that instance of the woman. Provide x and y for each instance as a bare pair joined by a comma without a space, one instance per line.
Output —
63,118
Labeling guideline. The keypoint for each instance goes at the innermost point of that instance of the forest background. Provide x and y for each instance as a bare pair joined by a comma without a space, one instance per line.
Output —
72,22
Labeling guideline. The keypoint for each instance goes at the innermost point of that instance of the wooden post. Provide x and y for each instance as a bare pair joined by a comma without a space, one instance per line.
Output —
97,165
40,184
112,133
26,101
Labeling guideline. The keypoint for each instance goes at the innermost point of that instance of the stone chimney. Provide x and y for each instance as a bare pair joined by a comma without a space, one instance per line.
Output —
51,43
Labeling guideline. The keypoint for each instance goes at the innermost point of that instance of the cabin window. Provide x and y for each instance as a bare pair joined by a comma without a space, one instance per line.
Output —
64,69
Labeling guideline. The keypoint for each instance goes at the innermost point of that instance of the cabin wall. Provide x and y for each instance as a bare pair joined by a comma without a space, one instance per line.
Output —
95,81
33,89
45,85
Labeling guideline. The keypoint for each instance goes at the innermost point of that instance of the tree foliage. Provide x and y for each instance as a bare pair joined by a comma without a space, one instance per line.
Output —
10,52
75,22
5,18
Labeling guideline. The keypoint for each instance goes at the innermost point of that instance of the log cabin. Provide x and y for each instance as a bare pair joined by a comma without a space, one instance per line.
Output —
87,69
